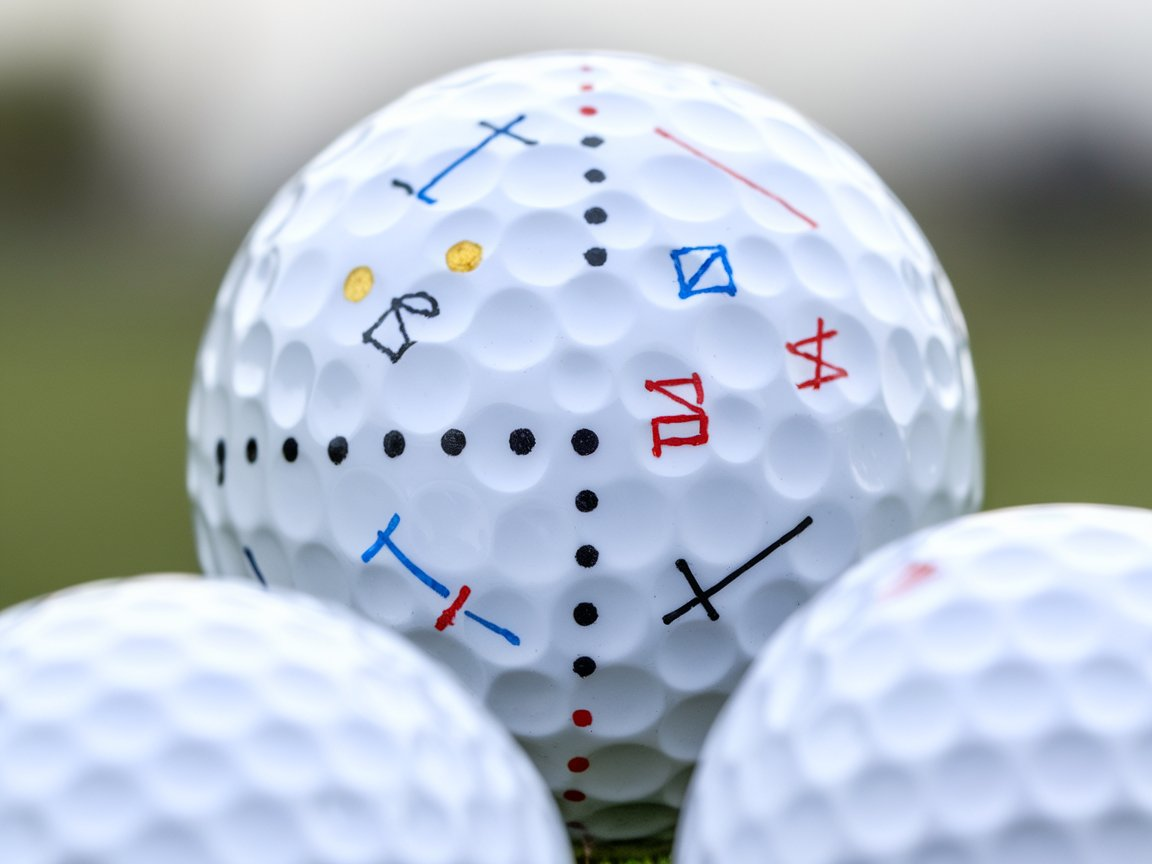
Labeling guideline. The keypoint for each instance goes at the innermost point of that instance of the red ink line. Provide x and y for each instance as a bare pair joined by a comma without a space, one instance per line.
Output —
698,415
448,616
745,180
819,377
913,575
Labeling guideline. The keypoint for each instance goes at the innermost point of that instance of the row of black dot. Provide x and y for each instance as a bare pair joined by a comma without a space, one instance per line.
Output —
597,255
520,441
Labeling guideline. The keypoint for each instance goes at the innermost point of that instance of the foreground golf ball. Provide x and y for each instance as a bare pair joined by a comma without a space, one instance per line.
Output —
170,720
584,371
979,693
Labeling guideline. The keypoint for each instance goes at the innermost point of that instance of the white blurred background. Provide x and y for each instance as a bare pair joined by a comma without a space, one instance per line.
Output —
207,106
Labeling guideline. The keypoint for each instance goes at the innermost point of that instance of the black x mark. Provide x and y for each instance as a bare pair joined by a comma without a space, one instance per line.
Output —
703,598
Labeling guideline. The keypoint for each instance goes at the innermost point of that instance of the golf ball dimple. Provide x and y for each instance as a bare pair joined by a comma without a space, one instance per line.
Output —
563,362
981,687
182,720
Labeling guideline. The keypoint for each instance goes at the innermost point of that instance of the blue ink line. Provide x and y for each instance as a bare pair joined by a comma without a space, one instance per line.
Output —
496,133
688,286
252,560
384,540
512,638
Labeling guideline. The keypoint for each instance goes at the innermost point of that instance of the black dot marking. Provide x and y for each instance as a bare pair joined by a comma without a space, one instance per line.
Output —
586,501
584,666
393,444
220,453
592,141
595,216
250,450
596,256
594,175
452,442
587,555
291,449
585,614
585,442
521,441
338,449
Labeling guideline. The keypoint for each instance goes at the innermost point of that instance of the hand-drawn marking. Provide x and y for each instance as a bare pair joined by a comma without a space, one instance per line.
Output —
914,574
713,255
464,257
220,454
746,181
703,597
255,568
447,617
397,306
697,414
819,378
358,284
497,131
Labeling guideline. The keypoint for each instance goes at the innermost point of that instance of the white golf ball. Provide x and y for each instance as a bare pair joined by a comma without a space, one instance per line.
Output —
977,694
168,720
583,371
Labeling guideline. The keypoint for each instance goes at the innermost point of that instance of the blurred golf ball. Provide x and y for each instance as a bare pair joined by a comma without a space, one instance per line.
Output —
978,693
169,720
583,371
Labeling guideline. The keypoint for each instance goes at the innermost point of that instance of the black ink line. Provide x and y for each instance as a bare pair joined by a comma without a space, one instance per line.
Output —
702,597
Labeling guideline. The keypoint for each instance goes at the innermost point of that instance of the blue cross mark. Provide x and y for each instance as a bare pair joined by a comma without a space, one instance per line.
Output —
703,264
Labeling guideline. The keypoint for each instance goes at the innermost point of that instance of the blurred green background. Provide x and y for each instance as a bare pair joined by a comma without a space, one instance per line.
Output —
109,261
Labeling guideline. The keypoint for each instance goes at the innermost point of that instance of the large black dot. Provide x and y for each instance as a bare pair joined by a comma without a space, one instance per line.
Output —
586,501
583,666
587,555
338,449
220,453
521,441
585,614
594,175
452,442
393,444
592,141
250,450
595,215
585,441
291,449
596,256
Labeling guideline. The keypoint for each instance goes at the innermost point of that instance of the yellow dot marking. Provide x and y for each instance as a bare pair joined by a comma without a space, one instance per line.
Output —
359,283
464,257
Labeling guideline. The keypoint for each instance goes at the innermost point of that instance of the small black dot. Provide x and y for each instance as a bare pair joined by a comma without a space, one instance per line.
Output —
595,215
583,666
250,450
596,256
592,141
585,441
585,614
586,501
595,175
338,449
522,441
393,444
291,449
452,442
220,462
587,555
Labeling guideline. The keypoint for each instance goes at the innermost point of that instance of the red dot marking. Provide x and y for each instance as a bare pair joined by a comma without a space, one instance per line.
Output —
577,764
582,717
587,110
574,795
912,576
585,87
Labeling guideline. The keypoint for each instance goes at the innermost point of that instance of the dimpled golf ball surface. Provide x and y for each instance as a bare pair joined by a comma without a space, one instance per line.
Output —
583,371
169,720
978,694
